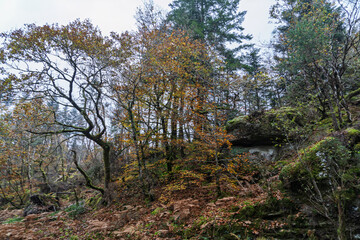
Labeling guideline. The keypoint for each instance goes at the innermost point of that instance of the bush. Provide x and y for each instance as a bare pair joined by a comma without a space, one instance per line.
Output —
75,210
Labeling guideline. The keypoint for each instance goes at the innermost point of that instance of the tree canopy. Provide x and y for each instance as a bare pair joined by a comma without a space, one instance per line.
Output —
217,22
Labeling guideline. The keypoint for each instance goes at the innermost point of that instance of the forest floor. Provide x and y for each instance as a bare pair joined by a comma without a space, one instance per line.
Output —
256,210
189,215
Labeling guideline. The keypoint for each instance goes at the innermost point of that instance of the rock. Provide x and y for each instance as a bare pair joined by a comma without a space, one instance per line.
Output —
54,187
352,136
33,209
265,128
42,203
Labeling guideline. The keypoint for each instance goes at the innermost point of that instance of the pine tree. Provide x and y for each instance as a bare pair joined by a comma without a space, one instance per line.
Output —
217,22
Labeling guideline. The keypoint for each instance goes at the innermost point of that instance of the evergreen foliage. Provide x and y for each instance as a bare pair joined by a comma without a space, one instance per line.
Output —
217,22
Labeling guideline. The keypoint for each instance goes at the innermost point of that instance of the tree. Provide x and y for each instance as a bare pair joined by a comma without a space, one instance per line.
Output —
255,84
316,42
26,159
67,65
216,22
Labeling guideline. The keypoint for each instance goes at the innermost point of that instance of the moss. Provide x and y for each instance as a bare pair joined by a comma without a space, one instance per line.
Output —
236,121
266,127
95,201
157,211
315,162
352,94
271,208
353,136
357,147
13,220
352,132
290,170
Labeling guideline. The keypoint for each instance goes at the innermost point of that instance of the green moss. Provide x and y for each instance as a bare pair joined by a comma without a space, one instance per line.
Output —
284,111
236,121
357,147
157,211
13,220
316,147
329,147
353,136
271,208
352,132
316,162
94,202
266,127
290,170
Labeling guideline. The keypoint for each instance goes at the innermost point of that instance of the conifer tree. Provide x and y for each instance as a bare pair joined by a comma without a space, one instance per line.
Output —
217,22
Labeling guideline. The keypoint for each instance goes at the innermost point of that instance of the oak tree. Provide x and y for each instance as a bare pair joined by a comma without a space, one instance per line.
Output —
67,65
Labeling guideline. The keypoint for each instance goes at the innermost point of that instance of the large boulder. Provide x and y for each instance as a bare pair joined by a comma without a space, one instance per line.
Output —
265,128
42,203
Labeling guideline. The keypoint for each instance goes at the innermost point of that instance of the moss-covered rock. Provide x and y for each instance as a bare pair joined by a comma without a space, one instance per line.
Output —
353,136
325,173
266,127
319,161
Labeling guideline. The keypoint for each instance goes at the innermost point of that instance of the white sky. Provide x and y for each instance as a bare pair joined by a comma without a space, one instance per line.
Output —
114,15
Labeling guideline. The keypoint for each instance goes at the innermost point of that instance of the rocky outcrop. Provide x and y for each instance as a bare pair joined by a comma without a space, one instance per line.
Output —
265,128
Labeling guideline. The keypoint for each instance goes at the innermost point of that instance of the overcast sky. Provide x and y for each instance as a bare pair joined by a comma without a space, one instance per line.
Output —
114,15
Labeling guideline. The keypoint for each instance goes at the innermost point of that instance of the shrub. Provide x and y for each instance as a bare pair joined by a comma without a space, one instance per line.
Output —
75,210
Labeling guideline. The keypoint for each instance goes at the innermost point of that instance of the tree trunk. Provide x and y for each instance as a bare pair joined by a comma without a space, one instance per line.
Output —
143,173
332,112
166,144
106,159
341,231
181,128
217,175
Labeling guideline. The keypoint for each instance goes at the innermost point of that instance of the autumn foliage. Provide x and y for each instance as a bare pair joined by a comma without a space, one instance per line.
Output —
137,122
